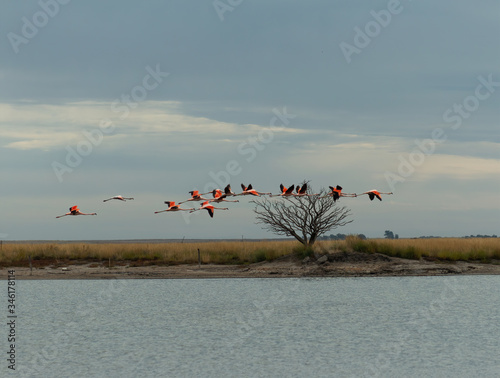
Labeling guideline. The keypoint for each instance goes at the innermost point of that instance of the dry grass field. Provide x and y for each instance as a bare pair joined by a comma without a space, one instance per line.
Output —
451,249
238,252
220,252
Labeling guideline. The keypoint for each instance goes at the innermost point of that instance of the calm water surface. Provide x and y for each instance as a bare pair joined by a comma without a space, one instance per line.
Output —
328,327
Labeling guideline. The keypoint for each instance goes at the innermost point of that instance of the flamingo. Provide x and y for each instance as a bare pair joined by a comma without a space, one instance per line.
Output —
228,191
373,193
172,207
301,191
73,210
118,197
286,192
206,205
219,197
195,196
248,190
336,193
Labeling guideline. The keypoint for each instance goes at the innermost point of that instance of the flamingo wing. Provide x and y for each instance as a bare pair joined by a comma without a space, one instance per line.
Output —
243,187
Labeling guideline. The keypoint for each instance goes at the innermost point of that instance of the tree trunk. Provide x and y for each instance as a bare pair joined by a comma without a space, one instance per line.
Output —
312,239
302,241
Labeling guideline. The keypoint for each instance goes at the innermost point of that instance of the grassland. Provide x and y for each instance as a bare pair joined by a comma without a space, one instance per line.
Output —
232,252
448,249
221,252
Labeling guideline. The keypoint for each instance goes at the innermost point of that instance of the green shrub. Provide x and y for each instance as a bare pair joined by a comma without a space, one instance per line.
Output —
411,252
260,255
303,251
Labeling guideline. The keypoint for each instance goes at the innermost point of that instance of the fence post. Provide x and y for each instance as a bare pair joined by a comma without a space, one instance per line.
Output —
199,258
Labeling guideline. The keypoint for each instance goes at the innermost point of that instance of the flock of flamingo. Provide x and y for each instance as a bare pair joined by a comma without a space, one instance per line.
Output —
219,196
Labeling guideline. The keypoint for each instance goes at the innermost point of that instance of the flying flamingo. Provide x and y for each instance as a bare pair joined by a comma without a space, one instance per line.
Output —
285,192
336,193
248,190
73,210
228,192
172,207
118,197
301,191
219,197
373,193
209,208
195,196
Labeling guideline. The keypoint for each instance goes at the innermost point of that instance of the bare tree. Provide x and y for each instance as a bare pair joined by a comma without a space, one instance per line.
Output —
303,217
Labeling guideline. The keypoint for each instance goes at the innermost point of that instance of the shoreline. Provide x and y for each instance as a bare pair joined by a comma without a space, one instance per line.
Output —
332,265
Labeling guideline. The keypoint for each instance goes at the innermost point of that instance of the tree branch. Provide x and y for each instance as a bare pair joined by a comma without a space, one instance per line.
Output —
309,216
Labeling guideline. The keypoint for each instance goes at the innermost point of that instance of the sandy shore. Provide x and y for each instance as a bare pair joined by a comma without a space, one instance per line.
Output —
333,265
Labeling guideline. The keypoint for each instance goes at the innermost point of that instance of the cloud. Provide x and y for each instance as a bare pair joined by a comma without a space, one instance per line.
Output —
459,168
44,126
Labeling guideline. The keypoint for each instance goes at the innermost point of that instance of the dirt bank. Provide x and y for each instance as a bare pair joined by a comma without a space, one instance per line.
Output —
353,264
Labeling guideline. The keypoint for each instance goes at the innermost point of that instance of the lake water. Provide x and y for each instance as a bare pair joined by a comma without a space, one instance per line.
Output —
326,327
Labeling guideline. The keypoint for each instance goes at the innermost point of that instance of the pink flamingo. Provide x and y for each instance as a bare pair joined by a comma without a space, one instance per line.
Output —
285,192
73,210
118,197
219,197
373,193
301,191
206,205
195,196
228,192
336,193
172,207
248,190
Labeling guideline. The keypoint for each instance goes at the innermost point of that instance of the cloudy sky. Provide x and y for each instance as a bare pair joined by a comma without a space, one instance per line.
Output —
154,99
